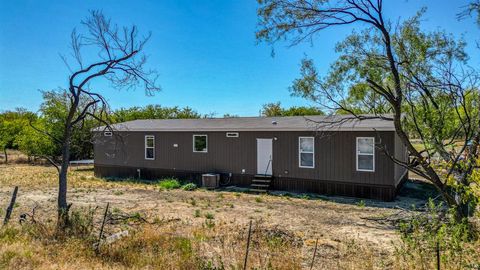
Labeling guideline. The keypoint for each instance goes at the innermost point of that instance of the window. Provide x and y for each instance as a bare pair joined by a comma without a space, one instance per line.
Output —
232,134
150,147
200,143
107,134
366,154
306,152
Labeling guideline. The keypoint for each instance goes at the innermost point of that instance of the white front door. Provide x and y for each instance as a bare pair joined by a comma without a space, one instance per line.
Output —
264,156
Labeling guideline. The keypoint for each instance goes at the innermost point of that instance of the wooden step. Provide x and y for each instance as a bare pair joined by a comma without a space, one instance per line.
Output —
267,181
260,186
263,176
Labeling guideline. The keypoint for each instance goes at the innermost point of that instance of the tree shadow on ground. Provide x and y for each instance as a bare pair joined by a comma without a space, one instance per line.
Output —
412,195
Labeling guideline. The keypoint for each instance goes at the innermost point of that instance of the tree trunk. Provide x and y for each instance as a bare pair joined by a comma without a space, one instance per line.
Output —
62,182
6,155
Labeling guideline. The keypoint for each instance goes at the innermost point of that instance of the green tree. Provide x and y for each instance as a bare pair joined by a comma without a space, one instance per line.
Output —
33,145
53,113
275,109
418,80
11,125
153,112
272,109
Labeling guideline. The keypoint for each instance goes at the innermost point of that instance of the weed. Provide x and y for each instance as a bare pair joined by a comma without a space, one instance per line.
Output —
118,192
136,217
193,202
305,197
361,203
209,216
168,183
197,213
209,223
189,187
258,200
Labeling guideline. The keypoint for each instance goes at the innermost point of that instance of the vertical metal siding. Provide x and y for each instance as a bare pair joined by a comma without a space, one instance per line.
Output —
335,154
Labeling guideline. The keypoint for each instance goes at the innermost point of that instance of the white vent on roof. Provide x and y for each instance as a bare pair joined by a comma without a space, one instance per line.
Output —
107,134
274,122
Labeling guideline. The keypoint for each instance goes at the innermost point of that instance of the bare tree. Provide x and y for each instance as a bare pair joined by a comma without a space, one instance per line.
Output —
419,81
119,60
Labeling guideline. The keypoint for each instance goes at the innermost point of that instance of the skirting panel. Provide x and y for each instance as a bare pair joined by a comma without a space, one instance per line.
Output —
384,193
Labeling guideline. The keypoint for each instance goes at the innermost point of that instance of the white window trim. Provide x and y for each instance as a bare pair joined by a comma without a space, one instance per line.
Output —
206,144
146,147
300,153
107,133
357,154
232,135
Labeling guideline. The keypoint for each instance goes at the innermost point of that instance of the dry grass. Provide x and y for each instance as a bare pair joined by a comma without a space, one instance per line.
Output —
17,157
165,246
38,177
190,229
148,247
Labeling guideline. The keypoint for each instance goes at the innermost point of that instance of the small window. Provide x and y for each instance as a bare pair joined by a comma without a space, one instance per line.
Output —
107,134
150,147
232,134
306,152
200,143
366,154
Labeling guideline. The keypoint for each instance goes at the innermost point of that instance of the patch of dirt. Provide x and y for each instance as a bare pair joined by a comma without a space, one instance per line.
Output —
331,220
307,218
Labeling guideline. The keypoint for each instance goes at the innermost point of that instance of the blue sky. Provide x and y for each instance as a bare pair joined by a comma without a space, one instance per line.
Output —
205,51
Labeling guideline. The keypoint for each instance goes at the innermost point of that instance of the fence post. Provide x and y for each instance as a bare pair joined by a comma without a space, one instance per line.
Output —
314,254
10,207
438,255
248,246
101,228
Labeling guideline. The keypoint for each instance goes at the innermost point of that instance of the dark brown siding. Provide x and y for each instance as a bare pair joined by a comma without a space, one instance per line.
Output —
401,154
335,155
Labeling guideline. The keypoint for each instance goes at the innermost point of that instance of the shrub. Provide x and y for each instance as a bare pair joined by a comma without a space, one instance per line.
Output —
169,183
457,241
189,187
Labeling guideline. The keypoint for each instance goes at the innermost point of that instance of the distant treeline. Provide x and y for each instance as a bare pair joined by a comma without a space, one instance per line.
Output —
37,134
